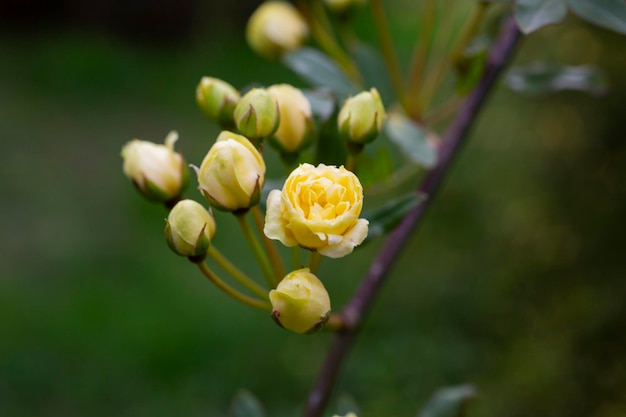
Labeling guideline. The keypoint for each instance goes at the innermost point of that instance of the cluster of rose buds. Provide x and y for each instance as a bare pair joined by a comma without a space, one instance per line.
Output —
317,209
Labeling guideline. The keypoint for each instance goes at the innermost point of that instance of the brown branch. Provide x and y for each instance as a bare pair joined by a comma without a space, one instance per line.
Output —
354,313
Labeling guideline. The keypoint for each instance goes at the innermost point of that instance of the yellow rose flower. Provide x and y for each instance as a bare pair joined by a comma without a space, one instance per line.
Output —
318,209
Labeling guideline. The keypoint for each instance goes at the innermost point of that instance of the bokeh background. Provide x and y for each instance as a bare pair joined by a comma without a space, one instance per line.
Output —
516,282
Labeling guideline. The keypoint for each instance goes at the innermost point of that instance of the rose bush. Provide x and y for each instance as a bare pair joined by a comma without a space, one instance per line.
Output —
318,209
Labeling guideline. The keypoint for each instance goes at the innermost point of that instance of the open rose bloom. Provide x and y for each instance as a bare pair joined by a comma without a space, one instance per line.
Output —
318,209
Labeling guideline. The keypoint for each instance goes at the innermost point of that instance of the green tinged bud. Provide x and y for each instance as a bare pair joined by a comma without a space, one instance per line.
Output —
232,173
275,28
296,129
300,302
217,100
361,118
159,173
257,115
189,229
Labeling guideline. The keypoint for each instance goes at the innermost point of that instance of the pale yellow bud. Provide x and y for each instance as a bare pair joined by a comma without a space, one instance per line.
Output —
257,115
274,28
296,129
217,100
347,415
300,302
157,171
189,229
361,118
232,173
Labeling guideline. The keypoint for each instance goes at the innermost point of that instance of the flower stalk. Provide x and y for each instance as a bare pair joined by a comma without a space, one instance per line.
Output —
236,273
257,250
242,298
314,261
389,53
270,247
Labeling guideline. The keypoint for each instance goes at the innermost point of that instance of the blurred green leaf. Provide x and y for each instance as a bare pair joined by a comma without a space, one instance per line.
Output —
372,67
330,150
320,70
610,14
411,139
540,78
386,217
470,66
322,103
448,402
534,14
346,404
375,169
245,404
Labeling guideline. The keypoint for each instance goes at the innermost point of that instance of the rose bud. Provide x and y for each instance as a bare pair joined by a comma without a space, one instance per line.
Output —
296,129
361,117
189,229
159,173
274,28
257,114
300,302
232,173
217,100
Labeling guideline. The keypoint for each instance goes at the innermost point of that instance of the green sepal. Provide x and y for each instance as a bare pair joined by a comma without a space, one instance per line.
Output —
212,201
318,326
152,192
202,243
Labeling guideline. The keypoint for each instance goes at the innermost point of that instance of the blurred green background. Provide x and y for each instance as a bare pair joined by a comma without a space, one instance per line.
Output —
515,283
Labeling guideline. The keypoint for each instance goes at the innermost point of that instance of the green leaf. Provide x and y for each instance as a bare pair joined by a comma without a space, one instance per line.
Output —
322,104
375,169
330,150
411,139
245,404
373,70
386,217
346,404
534,14
470,66
541,78
610,14
319,70
448,402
